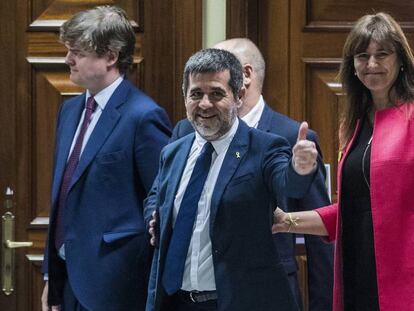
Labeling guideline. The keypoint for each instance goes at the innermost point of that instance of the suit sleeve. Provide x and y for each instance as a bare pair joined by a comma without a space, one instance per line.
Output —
329,216
151,136
150,203
176,132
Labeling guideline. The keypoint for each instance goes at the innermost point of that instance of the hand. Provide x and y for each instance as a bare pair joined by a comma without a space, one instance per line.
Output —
304,152
45,306
279,223
152,229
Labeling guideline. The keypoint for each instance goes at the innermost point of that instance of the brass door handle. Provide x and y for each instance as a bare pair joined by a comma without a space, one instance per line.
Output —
14,244
7,246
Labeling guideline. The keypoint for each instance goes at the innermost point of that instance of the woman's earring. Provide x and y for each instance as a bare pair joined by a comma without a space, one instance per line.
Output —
355,73
401,68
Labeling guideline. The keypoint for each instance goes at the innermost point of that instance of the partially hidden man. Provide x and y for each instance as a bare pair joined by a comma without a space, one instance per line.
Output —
108,141
214,200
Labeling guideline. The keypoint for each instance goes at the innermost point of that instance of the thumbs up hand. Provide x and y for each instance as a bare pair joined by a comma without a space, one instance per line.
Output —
304,152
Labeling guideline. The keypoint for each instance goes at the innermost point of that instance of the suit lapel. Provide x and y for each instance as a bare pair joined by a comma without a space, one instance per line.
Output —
234,155
107,121
68,124
265,121
174,178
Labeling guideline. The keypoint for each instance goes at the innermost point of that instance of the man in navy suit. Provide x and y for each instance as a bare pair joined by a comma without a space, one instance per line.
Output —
108,141
256,113
229,260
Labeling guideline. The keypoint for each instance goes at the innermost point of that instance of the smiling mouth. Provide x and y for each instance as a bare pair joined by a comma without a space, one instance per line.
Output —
206,117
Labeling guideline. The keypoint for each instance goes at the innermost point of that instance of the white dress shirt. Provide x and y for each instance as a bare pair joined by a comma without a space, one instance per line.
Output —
199,270
253,117
101,100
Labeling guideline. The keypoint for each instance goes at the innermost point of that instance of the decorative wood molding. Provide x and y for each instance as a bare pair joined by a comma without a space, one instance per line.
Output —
55,24
323,26
340,15
40,222
51,17
34,60
35,258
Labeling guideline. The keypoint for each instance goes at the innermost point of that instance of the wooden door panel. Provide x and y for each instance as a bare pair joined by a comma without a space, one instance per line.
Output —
50,14
36,84
338,15
323,97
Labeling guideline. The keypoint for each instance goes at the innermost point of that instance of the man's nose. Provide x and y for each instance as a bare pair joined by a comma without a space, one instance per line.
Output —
69,58
205,102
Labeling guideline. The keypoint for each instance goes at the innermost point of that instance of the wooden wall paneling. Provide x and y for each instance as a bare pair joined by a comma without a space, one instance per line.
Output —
158,37
275,48
329,15
173,32
36,83
323,107
35,280
312,51
7,98
23,151
242,19
47,15
51,87
302,262
187,41
8,143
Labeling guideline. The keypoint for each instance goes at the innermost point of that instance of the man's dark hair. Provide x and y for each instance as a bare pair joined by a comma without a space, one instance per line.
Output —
214,60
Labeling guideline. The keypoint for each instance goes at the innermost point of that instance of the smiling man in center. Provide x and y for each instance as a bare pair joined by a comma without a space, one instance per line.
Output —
215,190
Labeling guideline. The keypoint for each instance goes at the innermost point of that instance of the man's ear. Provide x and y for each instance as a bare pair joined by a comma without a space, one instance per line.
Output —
247,74
240,96
112,58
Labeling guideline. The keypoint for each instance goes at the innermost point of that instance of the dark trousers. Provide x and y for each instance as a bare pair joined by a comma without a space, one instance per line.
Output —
178,302
70,303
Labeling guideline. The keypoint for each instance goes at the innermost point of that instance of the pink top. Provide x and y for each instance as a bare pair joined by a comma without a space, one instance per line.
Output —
392,204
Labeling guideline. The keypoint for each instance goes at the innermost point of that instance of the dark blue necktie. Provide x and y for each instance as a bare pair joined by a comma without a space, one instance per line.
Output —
183,228
69,170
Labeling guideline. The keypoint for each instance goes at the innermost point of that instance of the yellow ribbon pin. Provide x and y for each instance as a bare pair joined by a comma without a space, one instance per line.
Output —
238,155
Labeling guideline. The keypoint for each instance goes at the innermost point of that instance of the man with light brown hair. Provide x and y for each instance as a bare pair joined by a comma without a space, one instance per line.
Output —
108,142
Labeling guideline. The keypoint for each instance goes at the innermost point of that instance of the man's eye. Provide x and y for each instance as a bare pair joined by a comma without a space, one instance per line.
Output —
217,95
196,95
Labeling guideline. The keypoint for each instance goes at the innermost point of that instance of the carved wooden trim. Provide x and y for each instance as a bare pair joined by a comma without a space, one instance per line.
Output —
34,258
55,24
39,222
59,11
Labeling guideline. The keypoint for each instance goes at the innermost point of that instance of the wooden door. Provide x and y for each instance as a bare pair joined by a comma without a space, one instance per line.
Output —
33,83
302,41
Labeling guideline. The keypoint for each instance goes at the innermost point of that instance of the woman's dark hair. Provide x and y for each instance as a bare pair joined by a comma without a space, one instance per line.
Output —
386,32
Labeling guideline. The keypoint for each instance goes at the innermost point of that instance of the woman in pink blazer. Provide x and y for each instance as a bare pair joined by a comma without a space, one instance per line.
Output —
373,221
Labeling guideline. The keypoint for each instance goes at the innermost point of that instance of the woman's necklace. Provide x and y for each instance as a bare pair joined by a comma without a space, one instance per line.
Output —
363,163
